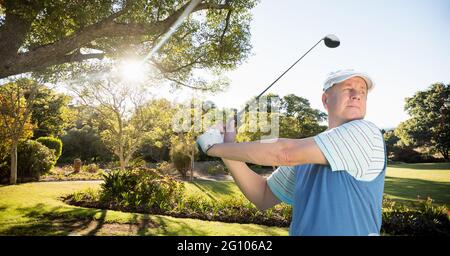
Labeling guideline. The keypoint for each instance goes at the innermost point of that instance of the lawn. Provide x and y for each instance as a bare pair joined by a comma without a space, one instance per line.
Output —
35,208
405,182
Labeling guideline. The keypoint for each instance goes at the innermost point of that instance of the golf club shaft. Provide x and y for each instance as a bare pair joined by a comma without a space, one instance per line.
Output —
237,116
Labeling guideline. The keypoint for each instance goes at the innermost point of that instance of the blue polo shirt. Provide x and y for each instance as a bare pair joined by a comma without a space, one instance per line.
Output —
344,197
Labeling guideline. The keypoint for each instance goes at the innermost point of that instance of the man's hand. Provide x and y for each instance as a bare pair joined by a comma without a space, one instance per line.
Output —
230,132
211,137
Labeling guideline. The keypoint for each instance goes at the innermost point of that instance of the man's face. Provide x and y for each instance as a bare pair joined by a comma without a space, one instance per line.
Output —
346,100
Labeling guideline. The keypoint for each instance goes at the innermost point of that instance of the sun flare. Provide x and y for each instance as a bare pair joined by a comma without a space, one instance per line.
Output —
132,71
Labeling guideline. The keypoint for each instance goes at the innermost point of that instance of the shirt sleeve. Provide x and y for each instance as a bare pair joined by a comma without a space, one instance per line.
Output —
356,147
282,183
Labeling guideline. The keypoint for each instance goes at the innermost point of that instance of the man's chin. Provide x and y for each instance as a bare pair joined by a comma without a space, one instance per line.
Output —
354,116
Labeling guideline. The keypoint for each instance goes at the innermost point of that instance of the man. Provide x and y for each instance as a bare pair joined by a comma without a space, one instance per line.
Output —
334,180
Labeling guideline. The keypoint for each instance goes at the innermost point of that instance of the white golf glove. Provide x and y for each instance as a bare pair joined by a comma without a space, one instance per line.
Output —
209,138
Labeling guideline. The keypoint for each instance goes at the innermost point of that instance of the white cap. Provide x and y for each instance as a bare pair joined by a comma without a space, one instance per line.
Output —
344,74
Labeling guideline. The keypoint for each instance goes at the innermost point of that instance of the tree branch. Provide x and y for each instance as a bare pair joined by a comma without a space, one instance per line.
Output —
183,84
166,70
33,59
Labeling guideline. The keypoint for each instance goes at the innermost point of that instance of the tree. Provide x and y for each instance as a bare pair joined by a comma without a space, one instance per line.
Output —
16,103
390,142
156,145
296,119
122,115
299,119
53,35
49,113
84,143
429,125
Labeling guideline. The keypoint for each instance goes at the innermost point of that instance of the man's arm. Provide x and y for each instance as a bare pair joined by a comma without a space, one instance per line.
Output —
252,185
282,152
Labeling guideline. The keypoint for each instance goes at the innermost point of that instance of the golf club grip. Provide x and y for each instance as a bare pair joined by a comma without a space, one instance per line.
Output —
236,117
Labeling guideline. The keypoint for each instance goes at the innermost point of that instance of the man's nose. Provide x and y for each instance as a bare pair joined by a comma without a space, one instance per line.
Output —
355,95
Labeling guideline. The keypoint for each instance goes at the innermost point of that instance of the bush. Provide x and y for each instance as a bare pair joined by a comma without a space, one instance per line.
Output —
34,159
130,191
180,158
165,167
406,154
91,168
52,143
141,190
86,144
426,220
216,168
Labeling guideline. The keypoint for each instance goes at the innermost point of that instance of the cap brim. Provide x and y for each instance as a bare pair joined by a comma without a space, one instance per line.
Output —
338,79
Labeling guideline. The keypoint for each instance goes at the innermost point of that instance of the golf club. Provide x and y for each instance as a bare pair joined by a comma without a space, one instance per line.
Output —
331,41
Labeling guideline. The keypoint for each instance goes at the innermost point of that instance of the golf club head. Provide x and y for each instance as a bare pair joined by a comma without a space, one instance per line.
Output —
331,41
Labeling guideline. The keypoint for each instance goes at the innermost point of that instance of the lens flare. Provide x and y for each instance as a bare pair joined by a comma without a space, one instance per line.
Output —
132,71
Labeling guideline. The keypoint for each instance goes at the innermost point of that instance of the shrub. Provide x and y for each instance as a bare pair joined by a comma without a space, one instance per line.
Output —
216,168
137,162
407,155
52,143
141,189
426,220
180,158
34,159
165,167
91,168
84,143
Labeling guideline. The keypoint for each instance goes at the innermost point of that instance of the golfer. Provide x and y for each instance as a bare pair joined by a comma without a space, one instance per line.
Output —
334,180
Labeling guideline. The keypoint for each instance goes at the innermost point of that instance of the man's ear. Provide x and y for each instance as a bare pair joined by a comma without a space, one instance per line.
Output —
325,100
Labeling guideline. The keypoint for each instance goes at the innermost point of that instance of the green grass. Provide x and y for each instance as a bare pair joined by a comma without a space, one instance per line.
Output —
405,182
35,209
213,190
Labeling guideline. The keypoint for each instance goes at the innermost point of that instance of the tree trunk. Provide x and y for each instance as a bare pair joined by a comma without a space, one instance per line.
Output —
445,154
13,177
192,166
122,161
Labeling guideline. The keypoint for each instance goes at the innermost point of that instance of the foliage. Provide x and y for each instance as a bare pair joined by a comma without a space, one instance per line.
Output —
180,157
141,189
429,125
234,210
215,37
391,142
35,159
16,103
426,220
155,146
295,116
15,119
50,113
66,173
92,168
217,168
84,143
165,167
125,117
52,143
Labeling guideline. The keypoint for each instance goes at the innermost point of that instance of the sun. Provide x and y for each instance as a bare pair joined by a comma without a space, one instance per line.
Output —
132,71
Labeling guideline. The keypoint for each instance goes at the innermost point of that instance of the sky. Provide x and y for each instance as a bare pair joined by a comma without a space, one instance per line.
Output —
403,45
